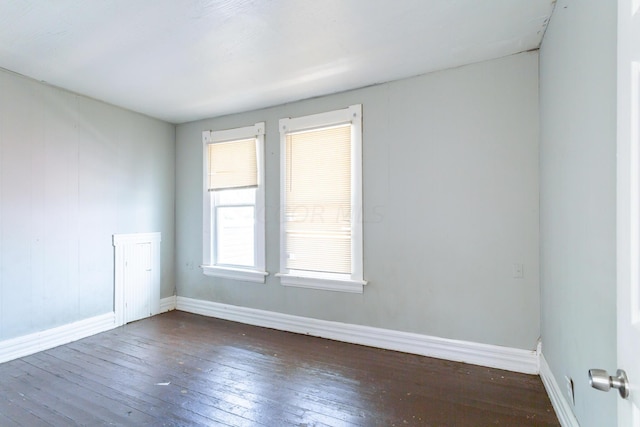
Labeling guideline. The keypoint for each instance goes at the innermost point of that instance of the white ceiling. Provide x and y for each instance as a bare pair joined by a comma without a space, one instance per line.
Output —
182,60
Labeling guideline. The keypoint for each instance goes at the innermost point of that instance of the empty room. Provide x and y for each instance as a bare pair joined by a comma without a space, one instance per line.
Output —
319,213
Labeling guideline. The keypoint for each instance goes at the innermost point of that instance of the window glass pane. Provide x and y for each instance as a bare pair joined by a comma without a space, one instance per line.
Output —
235,227
245,196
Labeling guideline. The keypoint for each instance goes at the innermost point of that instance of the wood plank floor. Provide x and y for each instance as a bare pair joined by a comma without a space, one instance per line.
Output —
180,369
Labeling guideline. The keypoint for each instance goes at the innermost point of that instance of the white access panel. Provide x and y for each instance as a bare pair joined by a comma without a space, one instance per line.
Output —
137,276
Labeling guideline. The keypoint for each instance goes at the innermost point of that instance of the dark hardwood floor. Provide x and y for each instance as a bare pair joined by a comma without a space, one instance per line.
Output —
180,369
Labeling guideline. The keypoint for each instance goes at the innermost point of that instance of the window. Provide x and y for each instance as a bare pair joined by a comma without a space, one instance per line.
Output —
233,217
321,196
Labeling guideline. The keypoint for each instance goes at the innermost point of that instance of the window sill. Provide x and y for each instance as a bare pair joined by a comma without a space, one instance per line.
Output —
235,273
353,286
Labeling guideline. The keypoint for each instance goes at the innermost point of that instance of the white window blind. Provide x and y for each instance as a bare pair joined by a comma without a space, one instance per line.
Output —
318,200
232,164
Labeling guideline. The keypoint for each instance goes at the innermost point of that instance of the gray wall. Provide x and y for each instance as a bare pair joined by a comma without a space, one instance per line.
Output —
450,204
74,171
578,199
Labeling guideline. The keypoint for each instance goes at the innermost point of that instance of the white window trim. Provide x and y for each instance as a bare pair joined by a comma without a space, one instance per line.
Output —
353,286
248,274
353,282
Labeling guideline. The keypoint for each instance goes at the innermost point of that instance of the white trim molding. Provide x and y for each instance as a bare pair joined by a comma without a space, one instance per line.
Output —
558,400
235,273
25,345
168,304
511,359
353,286
123,239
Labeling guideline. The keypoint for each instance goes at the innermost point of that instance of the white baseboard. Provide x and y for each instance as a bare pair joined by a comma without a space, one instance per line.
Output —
511,359
558,400
168,304
28,344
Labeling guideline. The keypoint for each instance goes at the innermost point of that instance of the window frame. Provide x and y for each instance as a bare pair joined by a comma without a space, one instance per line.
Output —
353,282
257,273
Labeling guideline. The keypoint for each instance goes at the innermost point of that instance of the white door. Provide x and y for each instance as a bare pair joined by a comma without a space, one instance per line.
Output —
137,276
138,282
628,221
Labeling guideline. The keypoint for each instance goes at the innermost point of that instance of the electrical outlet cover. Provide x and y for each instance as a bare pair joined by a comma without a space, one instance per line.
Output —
570,390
